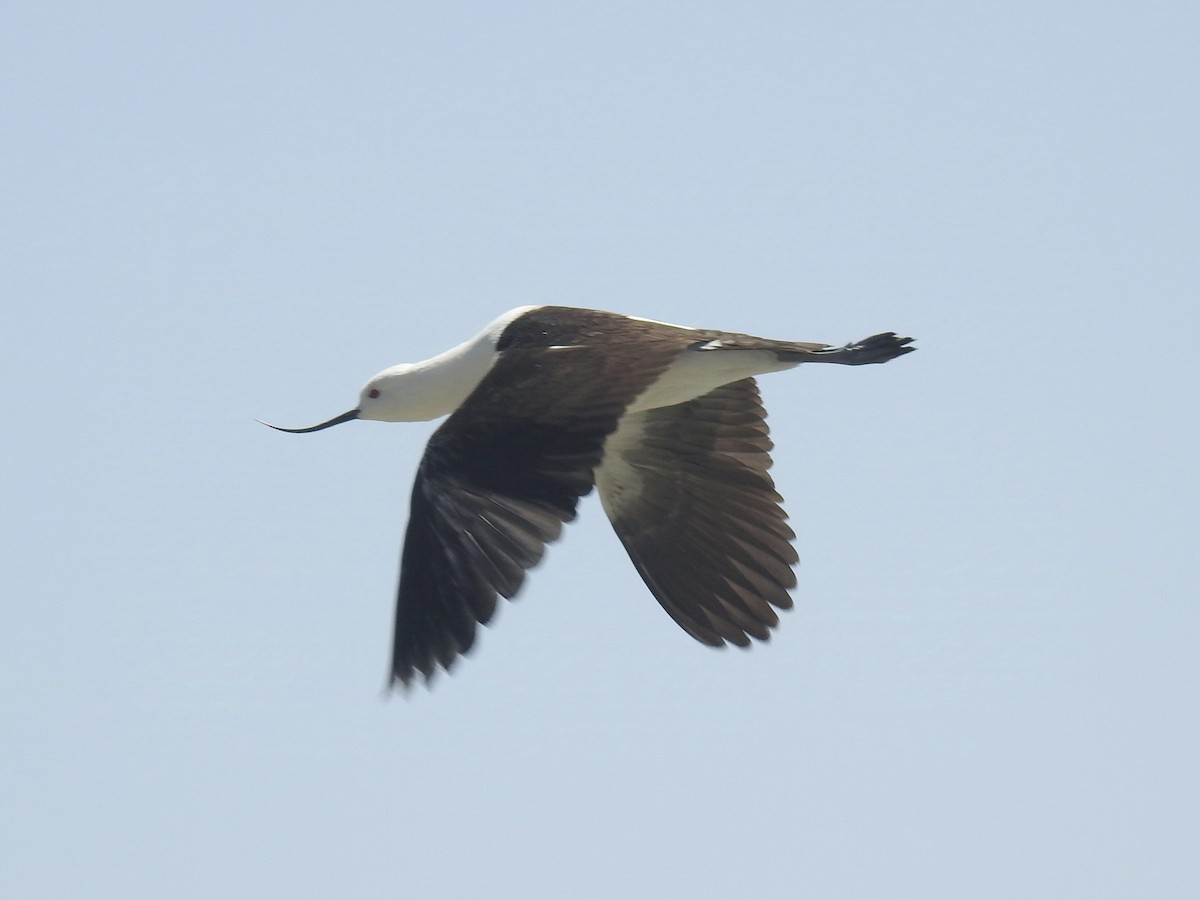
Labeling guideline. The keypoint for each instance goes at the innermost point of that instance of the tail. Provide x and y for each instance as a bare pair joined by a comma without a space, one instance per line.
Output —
878,348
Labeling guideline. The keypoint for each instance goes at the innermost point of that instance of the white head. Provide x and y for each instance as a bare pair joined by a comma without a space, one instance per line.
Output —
417,392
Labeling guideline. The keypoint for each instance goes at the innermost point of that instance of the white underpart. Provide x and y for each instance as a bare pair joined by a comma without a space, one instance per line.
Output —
619,481
696,372
435,387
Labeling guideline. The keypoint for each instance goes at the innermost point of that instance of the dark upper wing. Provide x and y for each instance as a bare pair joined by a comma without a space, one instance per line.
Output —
688,493
499,479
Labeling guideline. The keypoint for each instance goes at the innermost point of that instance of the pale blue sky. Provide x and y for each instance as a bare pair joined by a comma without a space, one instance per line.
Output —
215,212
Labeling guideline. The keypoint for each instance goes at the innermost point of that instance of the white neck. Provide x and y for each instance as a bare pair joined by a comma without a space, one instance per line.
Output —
435,387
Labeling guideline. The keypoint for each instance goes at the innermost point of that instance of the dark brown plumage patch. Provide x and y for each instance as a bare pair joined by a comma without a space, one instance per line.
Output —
702,522
499,479
564,326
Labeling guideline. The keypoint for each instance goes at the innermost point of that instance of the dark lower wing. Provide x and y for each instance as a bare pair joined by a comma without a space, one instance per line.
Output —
497,482
688,493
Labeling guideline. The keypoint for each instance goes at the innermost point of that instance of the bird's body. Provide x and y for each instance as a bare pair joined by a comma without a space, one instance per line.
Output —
547,402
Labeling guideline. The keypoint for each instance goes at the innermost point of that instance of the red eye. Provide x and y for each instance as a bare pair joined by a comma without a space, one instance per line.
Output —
373,393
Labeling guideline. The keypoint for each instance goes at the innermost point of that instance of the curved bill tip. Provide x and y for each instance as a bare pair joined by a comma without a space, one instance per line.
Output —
336,420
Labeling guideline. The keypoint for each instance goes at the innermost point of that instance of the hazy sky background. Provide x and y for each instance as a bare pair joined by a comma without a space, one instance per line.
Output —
214,212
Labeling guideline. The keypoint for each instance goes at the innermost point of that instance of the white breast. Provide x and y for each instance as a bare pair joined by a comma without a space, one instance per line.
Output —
696,372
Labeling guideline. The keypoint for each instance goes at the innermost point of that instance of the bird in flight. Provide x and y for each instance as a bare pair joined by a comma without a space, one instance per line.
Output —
546,402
